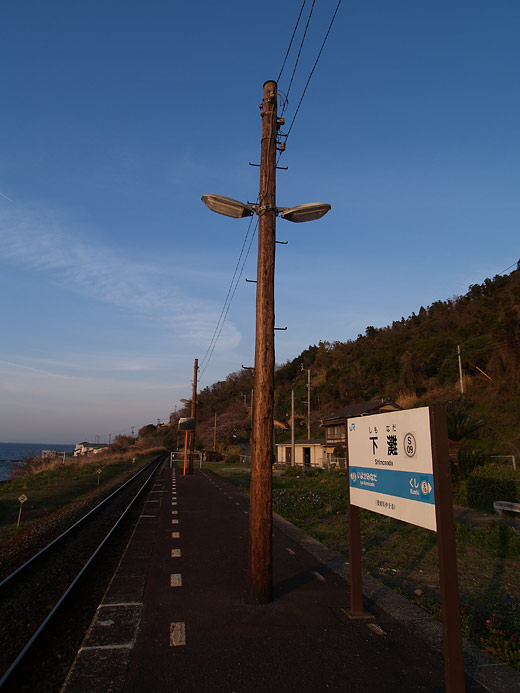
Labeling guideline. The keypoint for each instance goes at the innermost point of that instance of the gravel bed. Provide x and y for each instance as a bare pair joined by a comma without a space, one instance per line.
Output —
26,604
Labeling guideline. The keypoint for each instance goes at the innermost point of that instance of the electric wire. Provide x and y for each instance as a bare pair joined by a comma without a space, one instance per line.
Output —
515,264
227,302
290,42
235,280
301,48
225,309
313,68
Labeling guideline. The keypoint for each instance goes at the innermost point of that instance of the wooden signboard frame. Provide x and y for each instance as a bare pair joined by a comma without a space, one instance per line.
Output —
451,622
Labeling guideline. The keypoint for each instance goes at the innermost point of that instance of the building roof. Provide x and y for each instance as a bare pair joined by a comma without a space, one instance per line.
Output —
361,409
309,441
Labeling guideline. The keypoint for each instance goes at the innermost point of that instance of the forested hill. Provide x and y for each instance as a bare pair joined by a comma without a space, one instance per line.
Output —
413,361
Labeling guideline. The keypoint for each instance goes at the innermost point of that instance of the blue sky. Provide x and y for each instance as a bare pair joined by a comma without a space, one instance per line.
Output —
118,115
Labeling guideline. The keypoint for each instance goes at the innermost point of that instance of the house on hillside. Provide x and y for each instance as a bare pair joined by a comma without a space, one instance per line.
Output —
336,425
88,448
307,453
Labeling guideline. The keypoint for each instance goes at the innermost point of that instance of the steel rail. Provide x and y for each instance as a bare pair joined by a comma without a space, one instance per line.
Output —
69,589
69,529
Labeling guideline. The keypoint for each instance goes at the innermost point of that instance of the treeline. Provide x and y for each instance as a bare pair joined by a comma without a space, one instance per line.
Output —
414,362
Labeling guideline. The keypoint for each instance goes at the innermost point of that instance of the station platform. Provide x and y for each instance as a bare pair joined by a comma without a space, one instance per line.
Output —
175,617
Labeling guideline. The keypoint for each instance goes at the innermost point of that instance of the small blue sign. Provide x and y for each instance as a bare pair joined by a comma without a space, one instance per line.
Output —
417,487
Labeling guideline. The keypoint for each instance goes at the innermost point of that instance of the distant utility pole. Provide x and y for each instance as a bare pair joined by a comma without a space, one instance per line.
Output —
193,416
309,404
460,371
260,516
215,432
293,449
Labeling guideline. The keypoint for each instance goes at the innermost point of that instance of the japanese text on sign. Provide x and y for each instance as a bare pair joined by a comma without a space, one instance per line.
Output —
390,465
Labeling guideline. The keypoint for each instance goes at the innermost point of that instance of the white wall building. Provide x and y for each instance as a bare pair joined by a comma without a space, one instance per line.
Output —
307,453
88,448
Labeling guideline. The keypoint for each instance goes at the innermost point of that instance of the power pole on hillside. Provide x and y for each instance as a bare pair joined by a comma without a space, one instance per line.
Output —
309,404
460,371
293,448
193,416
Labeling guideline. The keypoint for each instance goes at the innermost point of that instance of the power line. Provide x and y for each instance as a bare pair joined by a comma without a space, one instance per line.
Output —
229,298
300,49
227,303
314,67
234,281
515,264
290,42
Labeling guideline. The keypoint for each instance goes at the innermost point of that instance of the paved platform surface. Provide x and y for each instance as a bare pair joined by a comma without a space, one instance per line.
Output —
175,617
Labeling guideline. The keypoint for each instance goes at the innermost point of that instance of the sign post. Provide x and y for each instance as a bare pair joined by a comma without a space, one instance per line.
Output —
451,625
399,466
22,500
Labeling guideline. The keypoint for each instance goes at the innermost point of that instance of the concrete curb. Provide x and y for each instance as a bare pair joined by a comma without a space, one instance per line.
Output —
493,675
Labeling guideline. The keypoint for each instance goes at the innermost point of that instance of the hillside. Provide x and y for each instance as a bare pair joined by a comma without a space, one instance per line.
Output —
413,361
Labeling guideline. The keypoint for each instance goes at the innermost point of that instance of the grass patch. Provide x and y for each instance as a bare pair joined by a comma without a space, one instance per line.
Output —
58,485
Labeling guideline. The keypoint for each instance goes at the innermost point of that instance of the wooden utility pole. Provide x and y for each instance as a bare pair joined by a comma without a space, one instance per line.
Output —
293,448
260,515
309,404
460,371
215,432
193,415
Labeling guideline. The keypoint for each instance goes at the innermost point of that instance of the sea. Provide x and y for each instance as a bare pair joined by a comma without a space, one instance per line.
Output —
12,453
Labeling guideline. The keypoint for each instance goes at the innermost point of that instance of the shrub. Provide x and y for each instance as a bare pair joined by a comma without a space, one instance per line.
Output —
234,458
313,471
487,484
467,461
303,503
293,471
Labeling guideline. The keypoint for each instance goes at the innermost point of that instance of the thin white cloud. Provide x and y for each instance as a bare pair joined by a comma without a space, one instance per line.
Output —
104,274
40,382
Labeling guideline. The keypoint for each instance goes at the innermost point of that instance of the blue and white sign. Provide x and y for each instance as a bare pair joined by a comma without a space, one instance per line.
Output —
391,465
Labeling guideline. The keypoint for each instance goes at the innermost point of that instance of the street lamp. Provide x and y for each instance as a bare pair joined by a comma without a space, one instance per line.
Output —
236,209
260,515
227,206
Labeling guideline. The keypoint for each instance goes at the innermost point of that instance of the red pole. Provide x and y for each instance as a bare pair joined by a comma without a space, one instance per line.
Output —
185,453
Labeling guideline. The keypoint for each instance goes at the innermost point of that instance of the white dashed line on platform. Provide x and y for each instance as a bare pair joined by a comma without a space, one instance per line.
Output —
177,634
176,553
175,580
176,535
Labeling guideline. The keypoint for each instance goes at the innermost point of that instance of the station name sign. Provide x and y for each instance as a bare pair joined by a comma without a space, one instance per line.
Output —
391,465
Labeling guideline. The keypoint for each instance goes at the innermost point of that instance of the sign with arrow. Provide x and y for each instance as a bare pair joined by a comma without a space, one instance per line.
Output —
391,465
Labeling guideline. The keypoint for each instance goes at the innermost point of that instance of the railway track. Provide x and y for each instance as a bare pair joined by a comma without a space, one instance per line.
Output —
47,602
